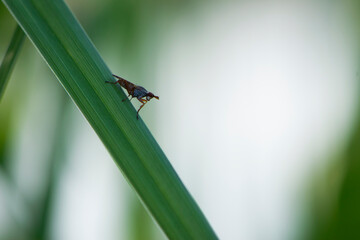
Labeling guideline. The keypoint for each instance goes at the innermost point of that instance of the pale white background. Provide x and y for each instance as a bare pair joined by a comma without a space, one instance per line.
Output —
254,99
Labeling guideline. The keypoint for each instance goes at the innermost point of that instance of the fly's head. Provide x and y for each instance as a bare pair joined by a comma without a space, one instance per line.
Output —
150,95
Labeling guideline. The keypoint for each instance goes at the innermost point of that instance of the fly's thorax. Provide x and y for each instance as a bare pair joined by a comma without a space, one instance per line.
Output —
140,92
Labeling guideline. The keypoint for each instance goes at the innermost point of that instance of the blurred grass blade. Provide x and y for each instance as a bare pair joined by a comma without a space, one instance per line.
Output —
52,28
9,59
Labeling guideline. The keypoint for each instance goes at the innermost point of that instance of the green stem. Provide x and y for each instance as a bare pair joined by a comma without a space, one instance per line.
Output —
9,59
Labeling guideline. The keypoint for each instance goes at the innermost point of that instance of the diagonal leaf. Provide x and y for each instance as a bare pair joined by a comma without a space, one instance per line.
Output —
9,59
57,35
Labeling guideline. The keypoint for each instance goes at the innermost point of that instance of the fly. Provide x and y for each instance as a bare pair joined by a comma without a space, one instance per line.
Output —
134,91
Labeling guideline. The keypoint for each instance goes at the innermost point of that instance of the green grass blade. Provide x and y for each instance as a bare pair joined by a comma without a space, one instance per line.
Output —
57,35
9,59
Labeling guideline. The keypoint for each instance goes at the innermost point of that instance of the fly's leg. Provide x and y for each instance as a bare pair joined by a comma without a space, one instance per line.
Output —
112,82
127,98
143,101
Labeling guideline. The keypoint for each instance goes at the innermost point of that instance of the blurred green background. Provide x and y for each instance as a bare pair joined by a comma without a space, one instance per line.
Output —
258,113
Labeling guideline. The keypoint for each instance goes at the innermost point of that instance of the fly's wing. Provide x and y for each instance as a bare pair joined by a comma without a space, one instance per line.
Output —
129,86
120,78
140,92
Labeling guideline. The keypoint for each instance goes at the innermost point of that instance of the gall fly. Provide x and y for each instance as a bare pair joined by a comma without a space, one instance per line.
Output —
135,91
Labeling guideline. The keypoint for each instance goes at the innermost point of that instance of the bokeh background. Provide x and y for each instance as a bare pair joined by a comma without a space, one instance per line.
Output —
258,113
